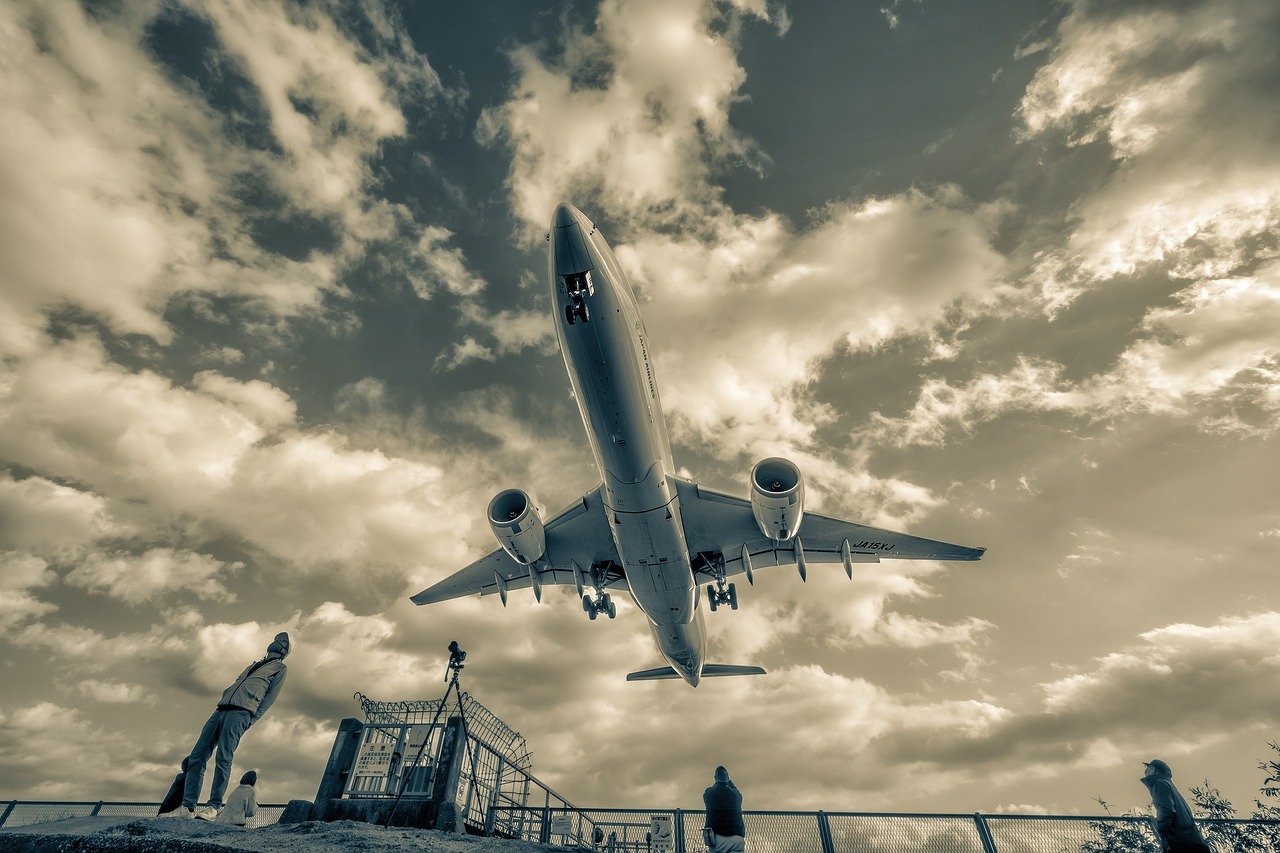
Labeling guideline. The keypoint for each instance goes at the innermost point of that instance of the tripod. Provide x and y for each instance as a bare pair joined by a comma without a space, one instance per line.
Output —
451,673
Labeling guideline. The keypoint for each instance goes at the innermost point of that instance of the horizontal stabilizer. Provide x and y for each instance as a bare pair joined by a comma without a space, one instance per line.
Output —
713,670
652,674
710,670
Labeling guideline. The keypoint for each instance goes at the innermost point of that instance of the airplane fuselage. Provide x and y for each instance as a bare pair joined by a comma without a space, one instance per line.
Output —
606,354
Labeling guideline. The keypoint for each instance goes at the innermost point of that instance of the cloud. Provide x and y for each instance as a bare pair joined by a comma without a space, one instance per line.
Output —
1171,690
115,692
134,579
1216,348
20,573
1177,93
228,453
632,112
38,514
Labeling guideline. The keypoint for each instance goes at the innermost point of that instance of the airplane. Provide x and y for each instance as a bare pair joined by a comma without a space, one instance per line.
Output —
646,529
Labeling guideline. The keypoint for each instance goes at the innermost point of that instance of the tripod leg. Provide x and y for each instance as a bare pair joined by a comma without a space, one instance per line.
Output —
405,772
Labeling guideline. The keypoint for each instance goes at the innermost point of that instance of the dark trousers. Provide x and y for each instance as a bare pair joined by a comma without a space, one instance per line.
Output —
223,730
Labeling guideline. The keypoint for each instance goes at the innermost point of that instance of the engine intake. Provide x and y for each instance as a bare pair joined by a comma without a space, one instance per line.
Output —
515,521
777,497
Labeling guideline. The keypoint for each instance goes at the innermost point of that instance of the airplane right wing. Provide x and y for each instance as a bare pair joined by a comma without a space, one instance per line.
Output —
579,535
723,524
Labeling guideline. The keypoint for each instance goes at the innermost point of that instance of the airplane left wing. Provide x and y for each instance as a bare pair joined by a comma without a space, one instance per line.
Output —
715,522
579,534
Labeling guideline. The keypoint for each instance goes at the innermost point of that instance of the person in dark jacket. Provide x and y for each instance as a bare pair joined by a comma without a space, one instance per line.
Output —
242,704
1175,825
728,833
173,799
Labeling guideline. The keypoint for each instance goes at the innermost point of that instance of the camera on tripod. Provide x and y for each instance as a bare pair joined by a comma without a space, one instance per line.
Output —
456,658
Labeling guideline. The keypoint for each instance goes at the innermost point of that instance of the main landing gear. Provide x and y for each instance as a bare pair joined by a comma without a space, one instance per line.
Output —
579,287
720,592
602,603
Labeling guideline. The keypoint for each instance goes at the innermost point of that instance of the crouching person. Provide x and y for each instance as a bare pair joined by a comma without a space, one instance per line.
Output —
243,802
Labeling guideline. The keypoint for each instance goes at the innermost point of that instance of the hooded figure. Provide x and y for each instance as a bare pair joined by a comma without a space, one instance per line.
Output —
242,704
1175,825
243,802
173,799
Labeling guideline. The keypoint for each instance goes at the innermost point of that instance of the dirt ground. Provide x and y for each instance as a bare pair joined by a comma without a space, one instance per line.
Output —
93,834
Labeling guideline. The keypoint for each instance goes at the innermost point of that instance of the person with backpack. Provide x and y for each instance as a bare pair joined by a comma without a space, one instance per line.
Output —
242,704
173,799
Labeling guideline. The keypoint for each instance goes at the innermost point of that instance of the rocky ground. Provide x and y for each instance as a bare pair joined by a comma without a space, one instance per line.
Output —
94,834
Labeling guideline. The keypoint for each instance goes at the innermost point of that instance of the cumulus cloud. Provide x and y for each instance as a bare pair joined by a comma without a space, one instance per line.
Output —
226,452
1216,346
134,579
634,112
1176,94
1169,691
19,574
115,692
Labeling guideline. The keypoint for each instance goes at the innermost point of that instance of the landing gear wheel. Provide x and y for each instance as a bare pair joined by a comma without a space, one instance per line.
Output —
613,610
586,603
583,314
733,597
593,613
570,313
712,598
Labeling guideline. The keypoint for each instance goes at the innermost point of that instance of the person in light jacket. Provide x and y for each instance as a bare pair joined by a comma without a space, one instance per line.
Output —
242,704
243,802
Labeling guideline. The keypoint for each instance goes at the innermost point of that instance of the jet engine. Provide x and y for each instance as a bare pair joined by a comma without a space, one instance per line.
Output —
515,521
777,497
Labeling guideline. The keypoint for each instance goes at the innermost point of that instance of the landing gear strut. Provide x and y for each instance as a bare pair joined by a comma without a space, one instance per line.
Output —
720,592
602,602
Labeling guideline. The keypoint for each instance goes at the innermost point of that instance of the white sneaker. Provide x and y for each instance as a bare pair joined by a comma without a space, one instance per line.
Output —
180,812
207,813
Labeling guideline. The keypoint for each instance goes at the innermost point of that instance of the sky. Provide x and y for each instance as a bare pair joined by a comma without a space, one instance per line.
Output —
274,328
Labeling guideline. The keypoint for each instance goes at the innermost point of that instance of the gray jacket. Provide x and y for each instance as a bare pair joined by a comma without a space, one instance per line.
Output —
1177,826
256,688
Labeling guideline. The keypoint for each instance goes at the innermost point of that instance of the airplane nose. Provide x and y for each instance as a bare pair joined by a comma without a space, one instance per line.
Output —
564,215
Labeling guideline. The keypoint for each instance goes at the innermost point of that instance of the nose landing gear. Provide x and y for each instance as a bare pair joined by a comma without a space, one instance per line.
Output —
579,287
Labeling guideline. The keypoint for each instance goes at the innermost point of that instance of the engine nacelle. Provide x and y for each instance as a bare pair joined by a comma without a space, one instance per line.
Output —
777,497
515,521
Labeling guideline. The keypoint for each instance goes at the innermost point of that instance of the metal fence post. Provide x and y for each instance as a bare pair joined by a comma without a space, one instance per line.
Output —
96,809
677,819
493,798
8,811
984,833
824,833
544,834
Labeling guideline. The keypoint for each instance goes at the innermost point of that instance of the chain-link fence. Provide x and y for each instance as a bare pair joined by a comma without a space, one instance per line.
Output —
629,831
33,812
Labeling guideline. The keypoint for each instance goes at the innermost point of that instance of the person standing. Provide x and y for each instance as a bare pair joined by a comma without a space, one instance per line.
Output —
725,830
242,704
1175,826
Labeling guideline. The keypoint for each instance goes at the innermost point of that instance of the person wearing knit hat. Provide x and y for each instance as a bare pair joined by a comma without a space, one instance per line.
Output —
242,704
1175,825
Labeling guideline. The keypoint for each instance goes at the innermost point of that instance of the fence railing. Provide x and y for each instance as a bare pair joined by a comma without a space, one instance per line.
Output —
31,812
628,831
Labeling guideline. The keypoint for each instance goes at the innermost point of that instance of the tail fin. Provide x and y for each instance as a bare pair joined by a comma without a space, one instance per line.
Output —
709,670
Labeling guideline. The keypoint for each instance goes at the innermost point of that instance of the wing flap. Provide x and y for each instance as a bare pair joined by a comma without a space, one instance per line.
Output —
724,524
